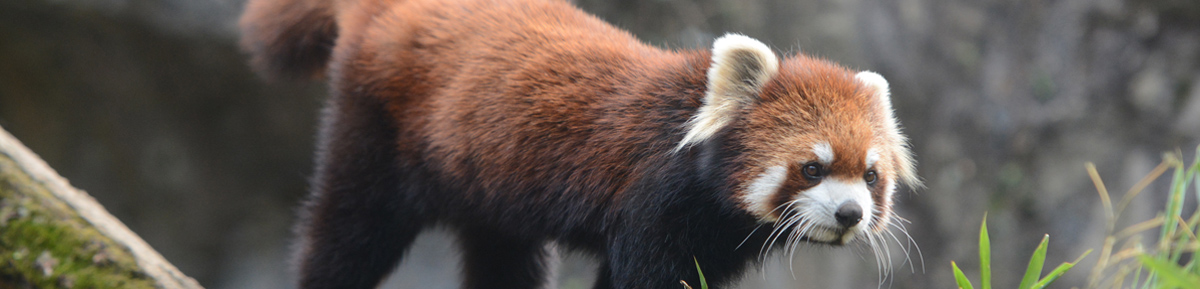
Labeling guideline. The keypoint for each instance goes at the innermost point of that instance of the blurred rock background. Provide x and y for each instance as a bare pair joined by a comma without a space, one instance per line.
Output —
149,105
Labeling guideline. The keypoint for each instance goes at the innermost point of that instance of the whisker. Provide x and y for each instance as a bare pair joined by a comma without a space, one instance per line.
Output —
775,227
879,268
794,237
748,236
903,248
785,220
793,241
802,222
887,250
911,241
779,227
888,271
888,277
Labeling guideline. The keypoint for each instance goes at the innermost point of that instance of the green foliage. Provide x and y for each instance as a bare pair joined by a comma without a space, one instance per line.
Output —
1029,281
960,278
985,256
1171,275
703,283
1035,264
1127,262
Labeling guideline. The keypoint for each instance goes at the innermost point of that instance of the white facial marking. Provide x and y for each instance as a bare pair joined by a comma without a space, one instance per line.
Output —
872,157
758,194
824,153
823,201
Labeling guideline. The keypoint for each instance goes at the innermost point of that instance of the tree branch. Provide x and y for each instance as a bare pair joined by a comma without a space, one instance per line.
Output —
53,235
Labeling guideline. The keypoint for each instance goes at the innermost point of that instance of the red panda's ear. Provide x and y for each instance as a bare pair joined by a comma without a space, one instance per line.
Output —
876,81
741,66
905,165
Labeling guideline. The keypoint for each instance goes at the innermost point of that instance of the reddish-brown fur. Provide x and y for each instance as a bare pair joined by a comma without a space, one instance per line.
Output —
518,122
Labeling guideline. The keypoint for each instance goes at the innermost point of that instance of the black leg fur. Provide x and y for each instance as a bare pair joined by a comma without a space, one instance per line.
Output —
603,277
357,229
639,263
657,250
495,260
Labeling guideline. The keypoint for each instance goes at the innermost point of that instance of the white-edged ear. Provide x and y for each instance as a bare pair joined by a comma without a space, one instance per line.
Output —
741,66
905,164
880,84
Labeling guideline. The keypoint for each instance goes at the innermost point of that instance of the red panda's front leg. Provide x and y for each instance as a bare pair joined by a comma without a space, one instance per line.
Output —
641,263
495,259
657,250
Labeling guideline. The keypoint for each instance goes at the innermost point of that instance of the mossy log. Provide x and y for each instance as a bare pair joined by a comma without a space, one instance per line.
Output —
53,235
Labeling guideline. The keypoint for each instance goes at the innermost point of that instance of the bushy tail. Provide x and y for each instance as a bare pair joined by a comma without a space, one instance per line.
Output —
289,38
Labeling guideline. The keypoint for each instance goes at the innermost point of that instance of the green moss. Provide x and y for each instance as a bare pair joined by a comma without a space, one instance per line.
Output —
44,244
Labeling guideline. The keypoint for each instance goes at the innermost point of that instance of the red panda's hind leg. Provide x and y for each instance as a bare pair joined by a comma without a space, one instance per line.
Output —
493,259
360,218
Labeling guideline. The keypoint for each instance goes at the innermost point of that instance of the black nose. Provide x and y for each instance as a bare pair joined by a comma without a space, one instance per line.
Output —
849,214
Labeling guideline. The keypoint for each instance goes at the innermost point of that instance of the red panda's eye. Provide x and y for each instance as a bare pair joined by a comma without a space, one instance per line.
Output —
871,177
812,171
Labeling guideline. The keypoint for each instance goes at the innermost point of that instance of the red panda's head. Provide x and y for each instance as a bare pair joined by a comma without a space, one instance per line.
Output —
822,151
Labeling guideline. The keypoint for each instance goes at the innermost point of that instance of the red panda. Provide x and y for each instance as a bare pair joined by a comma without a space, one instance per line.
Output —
521,122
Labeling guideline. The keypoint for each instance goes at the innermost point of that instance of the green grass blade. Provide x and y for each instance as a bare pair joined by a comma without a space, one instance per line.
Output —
703,284
1169,273
1034,270
1179,182
1058,272
985,256
1196,171
1185,235
961,278
1196,176
1175,211
1151,280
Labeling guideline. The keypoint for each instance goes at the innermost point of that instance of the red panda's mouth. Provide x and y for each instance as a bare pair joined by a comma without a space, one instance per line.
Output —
831,235
836,242
809,231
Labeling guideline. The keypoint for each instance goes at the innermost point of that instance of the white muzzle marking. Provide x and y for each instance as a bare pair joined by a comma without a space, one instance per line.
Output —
820,204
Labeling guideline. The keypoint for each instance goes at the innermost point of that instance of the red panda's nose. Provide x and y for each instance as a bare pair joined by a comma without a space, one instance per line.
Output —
848,214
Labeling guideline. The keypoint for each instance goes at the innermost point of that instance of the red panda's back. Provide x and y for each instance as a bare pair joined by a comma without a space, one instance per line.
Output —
525,99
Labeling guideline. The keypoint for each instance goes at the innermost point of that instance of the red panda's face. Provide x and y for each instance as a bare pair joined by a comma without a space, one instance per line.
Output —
820,160
822,151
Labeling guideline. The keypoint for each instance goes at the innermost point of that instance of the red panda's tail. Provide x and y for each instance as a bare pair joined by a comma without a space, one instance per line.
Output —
289,38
